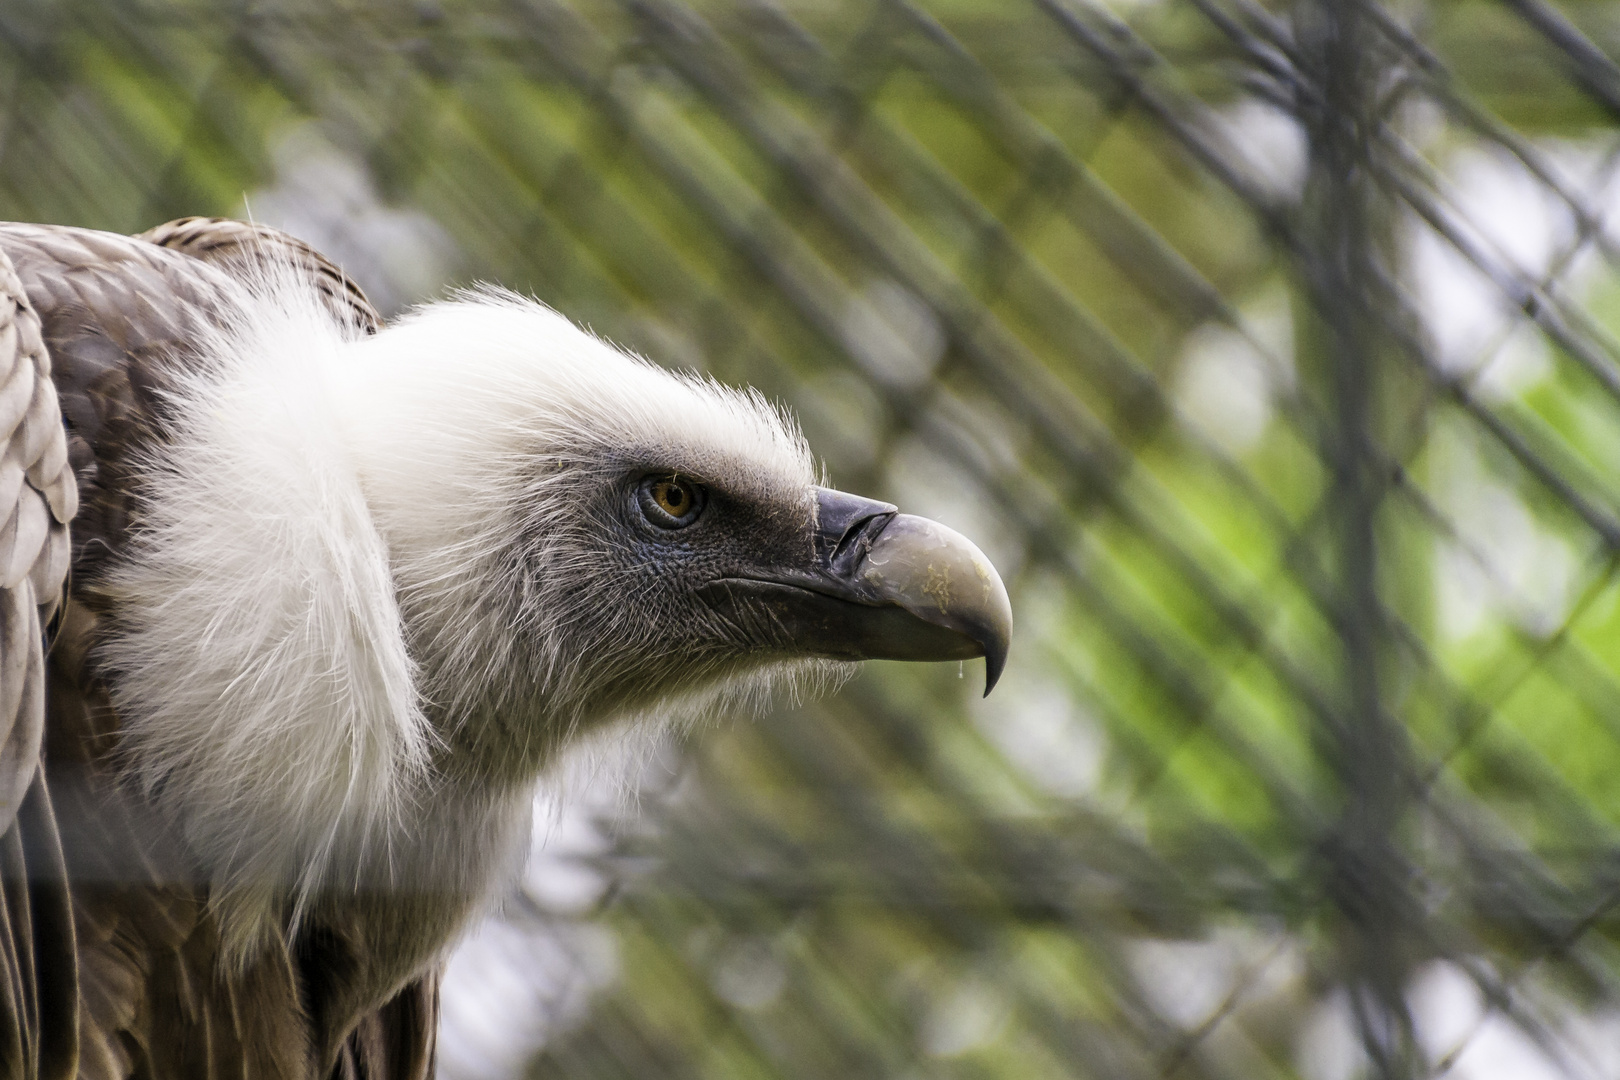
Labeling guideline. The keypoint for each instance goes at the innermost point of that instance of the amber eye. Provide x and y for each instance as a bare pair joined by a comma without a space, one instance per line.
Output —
673,497
670,502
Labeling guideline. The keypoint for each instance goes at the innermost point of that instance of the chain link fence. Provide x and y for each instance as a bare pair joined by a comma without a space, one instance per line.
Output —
1271,350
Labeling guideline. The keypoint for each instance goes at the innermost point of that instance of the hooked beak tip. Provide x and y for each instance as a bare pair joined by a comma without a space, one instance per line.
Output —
943,579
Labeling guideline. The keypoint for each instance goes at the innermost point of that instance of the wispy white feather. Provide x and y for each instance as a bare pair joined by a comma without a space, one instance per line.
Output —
266,693
363,607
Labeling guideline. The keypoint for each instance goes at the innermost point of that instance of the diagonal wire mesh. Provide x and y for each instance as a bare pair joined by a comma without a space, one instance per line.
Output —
1272,349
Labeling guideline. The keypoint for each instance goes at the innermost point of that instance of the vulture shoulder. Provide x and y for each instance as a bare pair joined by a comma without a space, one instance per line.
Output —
109,960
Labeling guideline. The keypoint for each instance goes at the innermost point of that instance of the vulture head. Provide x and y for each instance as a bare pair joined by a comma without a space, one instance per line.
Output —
577,535
405,570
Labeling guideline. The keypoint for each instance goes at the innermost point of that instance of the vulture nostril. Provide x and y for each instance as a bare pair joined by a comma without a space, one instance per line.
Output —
842,521
857,539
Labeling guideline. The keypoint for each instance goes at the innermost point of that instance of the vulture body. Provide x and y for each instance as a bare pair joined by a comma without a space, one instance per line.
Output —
296,609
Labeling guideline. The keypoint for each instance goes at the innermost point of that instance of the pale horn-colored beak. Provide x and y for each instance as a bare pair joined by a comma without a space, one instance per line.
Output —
942,578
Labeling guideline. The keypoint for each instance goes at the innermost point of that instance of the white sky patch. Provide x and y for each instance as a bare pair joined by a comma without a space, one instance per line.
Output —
1327,1046
326,197
1190,981
1450,1016
559,875
1040,728
895,335
511,986
533,972
1520,361
1228,380
964,1015
1422,122
1503,561
1453,1025
1186,980
1222,390
1522,223
1270,145
1448,1012
749,972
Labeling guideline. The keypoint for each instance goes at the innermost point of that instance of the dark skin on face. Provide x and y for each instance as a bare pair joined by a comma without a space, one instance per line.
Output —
823,574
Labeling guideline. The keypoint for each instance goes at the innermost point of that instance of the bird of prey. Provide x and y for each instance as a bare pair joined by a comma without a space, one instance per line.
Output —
297,608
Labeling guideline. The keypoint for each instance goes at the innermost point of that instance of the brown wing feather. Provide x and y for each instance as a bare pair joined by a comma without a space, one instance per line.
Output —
38,496
241,248
112,950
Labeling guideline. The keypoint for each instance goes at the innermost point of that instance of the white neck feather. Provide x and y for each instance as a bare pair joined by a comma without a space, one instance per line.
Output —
268,701
307,613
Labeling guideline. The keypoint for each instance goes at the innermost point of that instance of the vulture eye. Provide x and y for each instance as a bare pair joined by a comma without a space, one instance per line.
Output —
670,502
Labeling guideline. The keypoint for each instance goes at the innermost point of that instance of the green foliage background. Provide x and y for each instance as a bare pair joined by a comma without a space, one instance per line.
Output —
985,250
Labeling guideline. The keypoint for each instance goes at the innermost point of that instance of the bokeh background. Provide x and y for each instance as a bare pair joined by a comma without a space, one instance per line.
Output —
1269,349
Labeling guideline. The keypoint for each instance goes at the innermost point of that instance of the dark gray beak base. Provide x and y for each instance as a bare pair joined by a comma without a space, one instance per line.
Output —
882,586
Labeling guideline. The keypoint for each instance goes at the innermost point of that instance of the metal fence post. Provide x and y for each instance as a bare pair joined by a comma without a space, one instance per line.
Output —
1343,244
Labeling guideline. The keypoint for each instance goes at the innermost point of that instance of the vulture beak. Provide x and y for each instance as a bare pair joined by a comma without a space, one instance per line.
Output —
882,585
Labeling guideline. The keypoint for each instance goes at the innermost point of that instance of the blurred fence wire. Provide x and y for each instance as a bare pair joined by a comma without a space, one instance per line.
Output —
1272,348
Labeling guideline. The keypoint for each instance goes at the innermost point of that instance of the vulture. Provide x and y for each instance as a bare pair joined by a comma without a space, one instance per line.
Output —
297,609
